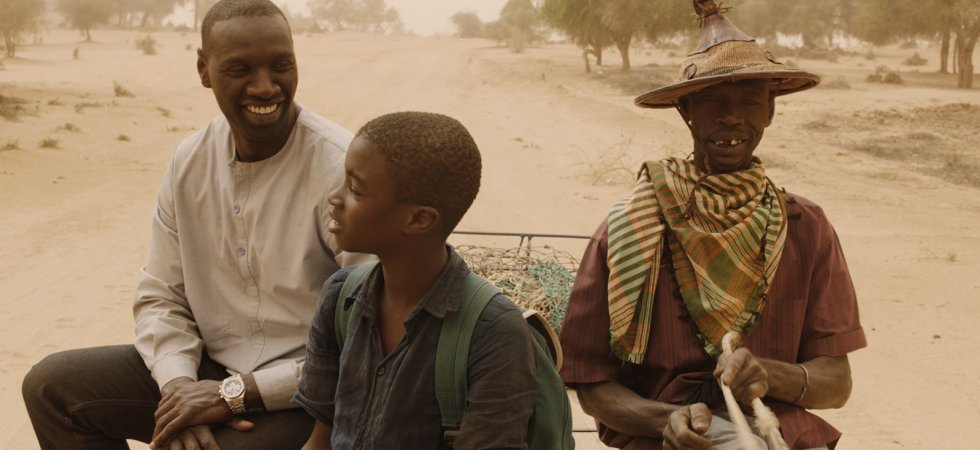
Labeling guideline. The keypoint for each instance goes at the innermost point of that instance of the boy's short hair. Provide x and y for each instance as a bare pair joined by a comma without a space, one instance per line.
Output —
230,9
433,159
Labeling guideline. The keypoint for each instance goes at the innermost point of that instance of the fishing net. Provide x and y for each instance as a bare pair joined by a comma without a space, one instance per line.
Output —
537,278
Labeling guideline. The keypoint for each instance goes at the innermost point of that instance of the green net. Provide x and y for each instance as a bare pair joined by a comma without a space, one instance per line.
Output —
537,278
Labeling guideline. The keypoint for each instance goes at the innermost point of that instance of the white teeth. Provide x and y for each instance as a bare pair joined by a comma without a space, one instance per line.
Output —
731,143
262,110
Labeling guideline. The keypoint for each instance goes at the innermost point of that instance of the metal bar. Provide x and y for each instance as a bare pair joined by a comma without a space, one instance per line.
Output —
528,236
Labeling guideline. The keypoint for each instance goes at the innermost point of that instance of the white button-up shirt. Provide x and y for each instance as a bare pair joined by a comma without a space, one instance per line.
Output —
238,254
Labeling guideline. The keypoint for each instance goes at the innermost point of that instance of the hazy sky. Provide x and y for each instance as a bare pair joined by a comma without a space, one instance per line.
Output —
424,17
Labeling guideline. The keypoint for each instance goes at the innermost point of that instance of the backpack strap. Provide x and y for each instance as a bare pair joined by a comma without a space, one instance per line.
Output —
343,312
453,350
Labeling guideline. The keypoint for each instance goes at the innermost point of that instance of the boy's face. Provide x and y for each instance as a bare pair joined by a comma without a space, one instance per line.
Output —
367,215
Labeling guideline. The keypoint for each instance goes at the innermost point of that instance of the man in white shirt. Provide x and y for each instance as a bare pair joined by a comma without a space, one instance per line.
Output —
239,251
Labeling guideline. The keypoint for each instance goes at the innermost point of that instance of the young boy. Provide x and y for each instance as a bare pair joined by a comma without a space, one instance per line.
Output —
410,178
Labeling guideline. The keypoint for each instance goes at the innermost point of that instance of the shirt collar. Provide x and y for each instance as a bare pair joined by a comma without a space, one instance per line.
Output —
442,296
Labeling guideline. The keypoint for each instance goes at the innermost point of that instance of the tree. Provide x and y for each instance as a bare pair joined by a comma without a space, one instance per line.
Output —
520,19
86,14
18,17
883,21
361,15
626,19
468,24
581,21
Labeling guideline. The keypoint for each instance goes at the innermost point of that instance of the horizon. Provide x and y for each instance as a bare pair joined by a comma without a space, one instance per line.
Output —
430,19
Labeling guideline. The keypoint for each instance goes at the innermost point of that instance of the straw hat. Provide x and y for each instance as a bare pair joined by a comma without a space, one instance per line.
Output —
725,54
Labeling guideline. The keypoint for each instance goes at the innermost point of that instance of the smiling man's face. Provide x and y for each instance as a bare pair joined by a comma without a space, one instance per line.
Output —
250,66
727,122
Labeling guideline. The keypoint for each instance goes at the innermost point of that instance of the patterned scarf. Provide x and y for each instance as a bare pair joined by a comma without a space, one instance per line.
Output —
726,238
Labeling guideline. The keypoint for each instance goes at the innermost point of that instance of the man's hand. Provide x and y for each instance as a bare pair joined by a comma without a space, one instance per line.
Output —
198,437
744,374
187,403
686,427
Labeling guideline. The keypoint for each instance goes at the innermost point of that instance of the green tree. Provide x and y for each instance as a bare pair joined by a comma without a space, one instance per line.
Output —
86,14
626,20
362,15
520,19
17,18
468,24
884,21
581,21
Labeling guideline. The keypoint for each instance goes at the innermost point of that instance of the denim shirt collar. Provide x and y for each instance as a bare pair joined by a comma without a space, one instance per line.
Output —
442,296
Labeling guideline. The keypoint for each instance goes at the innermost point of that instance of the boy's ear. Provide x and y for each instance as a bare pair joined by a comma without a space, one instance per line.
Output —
202,69
423,219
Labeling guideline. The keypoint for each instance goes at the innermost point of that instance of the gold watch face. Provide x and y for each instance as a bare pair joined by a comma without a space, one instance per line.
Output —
232,387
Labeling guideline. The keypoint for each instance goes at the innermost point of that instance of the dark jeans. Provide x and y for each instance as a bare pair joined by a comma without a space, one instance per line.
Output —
96,398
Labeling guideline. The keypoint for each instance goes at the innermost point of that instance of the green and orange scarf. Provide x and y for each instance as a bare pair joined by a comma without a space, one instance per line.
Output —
726,238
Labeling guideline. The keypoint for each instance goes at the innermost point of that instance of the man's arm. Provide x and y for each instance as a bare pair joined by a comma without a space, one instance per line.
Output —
623,410
320,439
166,334
827,380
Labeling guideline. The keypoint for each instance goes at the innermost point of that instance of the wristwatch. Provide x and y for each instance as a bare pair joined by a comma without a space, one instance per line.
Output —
232,390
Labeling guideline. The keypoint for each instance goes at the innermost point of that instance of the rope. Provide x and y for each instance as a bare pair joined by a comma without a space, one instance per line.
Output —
765,420
538,278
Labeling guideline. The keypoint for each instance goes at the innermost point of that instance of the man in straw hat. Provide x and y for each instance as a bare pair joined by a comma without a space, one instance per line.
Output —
705,246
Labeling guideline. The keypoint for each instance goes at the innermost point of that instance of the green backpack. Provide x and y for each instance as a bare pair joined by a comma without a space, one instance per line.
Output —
550,427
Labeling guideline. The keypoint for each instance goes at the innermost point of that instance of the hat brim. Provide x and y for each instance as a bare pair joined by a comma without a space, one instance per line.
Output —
784,82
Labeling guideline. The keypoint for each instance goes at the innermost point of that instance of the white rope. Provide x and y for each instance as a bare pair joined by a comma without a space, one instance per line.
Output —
765,420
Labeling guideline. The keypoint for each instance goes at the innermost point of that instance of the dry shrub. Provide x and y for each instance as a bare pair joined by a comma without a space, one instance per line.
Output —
837,83
121,90
883,74
937,139
49,143
916,60
11,108
612,166
122,138
148,45
10,145
82,106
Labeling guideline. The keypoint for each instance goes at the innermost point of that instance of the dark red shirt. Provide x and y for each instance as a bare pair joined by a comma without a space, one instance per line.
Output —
811,311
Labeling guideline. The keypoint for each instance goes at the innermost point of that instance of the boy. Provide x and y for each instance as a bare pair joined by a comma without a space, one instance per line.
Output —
410,177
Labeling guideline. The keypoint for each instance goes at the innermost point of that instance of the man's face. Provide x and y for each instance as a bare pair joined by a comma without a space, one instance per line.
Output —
250,66
728,120
367,213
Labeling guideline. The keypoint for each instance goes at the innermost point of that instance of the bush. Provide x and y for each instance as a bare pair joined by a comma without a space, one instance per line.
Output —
121,90
49,143
148,45
916,60
885,75
837,83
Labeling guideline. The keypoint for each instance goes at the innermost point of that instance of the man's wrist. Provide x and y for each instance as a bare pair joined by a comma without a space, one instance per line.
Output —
253,398
232,391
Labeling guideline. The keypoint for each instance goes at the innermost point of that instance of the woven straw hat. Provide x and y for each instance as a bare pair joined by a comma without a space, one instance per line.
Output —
725,54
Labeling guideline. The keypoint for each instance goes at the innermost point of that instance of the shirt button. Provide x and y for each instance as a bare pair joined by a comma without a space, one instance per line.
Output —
381,371
241,251
358,445
237,209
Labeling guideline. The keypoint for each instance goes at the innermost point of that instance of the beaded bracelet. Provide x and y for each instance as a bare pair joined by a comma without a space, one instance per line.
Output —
806,383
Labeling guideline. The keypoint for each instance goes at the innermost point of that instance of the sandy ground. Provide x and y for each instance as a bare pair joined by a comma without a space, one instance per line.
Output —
558,147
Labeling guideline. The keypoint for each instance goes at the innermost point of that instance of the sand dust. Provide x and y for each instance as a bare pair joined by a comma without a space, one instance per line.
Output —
893,166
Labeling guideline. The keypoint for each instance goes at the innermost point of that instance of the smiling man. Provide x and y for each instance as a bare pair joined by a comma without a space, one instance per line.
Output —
705,246
238,253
